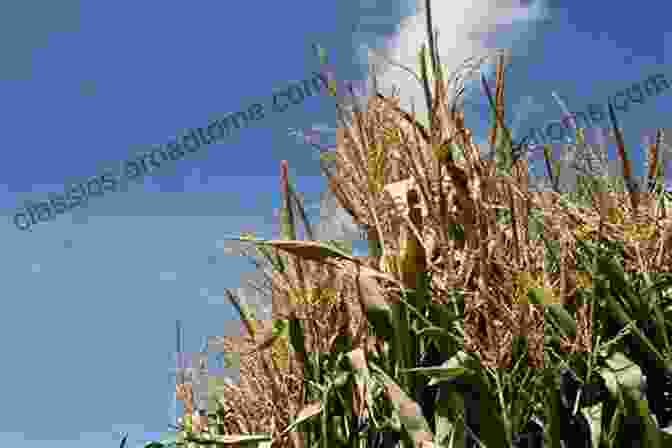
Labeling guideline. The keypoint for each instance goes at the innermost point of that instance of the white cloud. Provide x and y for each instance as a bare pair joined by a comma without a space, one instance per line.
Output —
466,29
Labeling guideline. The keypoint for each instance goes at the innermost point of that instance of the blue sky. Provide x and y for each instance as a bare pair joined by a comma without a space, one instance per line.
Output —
92,296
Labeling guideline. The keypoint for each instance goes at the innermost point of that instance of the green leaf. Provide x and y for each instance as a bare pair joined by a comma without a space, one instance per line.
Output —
594,416
378,311
296,337
552,408
617,281
302,212
408,411
448,426
438,373
168,440
246,314
287,224
559,314
344,246
492,427
425,83
623,380
451,368
305,414
455,231
433,331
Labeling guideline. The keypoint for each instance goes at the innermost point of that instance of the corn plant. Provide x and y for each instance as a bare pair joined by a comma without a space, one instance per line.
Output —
485,314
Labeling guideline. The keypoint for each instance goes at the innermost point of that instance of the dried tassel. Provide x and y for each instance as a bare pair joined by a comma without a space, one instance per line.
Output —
654,149
627,171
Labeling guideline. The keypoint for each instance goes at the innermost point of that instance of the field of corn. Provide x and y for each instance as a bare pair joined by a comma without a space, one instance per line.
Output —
486,314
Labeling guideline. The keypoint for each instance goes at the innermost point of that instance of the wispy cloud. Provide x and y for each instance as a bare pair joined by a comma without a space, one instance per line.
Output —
467,28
